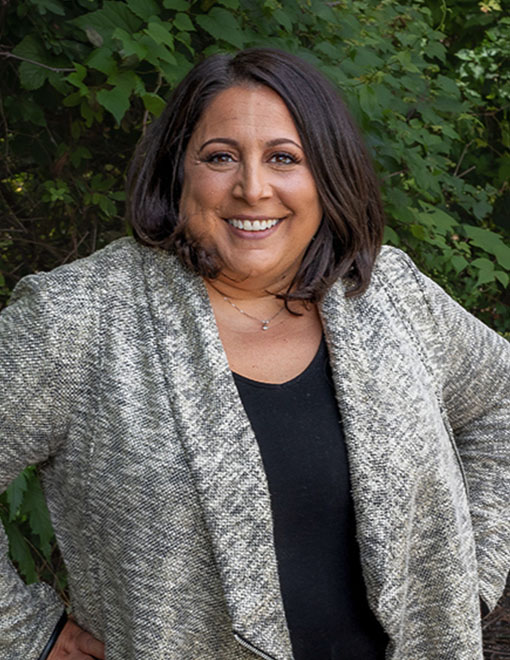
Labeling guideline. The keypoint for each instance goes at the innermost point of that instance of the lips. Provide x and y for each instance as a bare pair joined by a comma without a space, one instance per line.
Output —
254,225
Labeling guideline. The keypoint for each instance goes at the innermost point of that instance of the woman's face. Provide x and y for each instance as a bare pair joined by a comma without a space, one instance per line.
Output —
248,191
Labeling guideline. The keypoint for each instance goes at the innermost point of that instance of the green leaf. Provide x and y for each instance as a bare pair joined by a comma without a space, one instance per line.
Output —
220,24
391,236
448,85
156,52
491,243
34,506
230,4
130,46
504,278
437,218
153,103
20,552
368,100
72,100
485,277
115,100
127,81
105,21
459,263
178,5
481,208
102,60
76,79
418,232
53,6
160,33
366,58
79,154
32,76
283,19
183,22
144,8
15,493
483,264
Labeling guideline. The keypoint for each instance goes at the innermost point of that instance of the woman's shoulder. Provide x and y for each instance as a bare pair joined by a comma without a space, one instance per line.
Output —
393,264
106,270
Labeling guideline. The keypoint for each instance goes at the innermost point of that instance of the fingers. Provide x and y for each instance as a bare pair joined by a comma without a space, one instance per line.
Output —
90,645
73,643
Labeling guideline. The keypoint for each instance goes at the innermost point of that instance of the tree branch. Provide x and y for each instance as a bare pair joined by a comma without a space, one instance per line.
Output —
56,69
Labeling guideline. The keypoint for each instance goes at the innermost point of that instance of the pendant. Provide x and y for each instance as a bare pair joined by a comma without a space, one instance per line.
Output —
265,325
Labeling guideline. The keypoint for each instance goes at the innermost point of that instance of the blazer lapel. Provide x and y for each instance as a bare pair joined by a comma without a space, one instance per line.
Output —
222,452
389,410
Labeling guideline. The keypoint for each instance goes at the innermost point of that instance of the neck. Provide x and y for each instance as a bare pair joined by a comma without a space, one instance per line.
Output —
248,290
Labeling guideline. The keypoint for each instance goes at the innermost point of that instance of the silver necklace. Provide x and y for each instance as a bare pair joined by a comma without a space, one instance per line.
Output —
264,323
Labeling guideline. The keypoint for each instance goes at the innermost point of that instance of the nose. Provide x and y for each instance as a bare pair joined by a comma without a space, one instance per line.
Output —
252,183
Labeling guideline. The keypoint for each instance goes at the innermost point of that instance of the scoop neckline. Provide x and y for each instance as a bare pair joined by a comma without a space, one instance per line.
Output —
258,383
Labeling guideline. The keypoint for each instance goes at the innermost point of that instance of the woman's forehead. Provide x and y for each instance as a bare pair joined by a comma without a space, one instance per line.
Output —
246,112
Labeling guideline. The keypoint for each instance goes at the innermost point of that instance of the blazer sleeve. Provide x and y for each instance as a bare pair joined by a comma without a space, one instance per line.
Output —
475,375
41,346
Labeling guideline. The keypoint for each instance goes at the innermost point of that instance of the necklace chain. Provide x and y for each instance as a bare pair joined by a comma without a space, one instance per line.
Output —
263,322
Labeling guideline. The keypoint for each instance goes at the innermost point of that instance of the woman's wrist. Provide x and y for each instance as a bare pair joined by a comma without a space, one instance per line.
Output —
54,636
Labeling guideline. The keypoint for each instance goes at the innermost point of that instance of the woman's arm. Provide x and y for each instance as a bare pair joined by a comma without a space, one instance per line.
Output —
42,359
475,366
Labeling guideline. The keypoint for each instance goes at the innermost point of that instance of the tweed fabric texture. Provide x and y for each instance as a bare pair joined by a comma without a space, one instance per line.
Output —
115,381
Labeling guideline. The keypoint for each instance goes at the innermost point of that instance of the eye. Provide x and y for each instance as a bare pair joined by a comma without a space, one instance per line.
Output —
219,157
283,158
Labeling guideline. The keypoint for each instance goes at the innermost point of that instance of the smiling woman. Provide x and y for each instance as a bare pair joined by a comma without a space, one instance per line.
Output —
250,197
261,434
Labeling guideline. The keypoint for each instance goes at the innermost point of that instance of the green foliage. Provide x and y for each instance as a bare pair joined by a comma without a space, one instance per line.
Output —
83,79
25,516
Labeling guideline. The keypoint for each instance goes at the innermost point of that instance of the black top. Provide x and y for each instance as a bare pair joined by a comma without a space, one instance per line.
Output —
301,441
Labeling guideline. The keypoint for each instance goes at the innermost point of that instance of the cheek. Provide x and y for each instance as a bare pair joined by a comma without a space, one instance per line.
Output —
204,190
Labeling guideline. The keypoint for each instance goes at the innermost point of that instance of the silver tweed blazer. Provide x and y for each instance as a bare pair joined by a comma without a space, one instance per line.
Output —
114,379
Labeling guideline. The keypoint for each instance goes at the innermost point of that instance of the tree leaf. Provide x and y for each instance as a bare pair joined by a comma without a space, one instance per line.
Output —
54,6
160,32
34,506
130,46
391,236
459,263
144,8
483,264
104,21
115,100
153,103
183,22
504,278
20,552
368,100
15,493
32,76
221,24
102,60
491,243
283,19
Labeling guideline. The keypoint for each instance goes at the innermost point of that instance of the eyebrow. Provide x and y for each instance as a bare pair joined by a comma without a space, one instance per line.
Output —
233,143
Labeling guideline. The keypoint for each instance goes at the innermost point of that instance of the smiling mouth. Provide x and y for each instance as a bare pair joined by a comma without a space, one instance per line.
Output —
253,225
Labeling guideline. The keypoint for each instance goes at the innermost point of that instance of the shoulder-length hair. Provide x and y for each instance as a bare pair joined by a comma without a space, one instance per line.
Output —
350,234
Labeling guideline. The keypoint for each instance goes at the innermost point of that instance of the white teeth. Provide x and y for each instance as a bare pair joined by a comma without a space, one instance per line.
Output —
252,225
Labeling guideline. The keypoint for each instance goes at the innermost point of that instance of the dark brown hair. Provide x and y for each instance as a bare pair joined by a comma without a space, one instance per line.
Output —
350,234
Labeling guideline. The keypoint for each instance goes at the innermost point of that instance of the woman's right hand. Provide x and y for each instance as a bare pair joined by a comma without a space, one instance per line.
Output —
74,643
